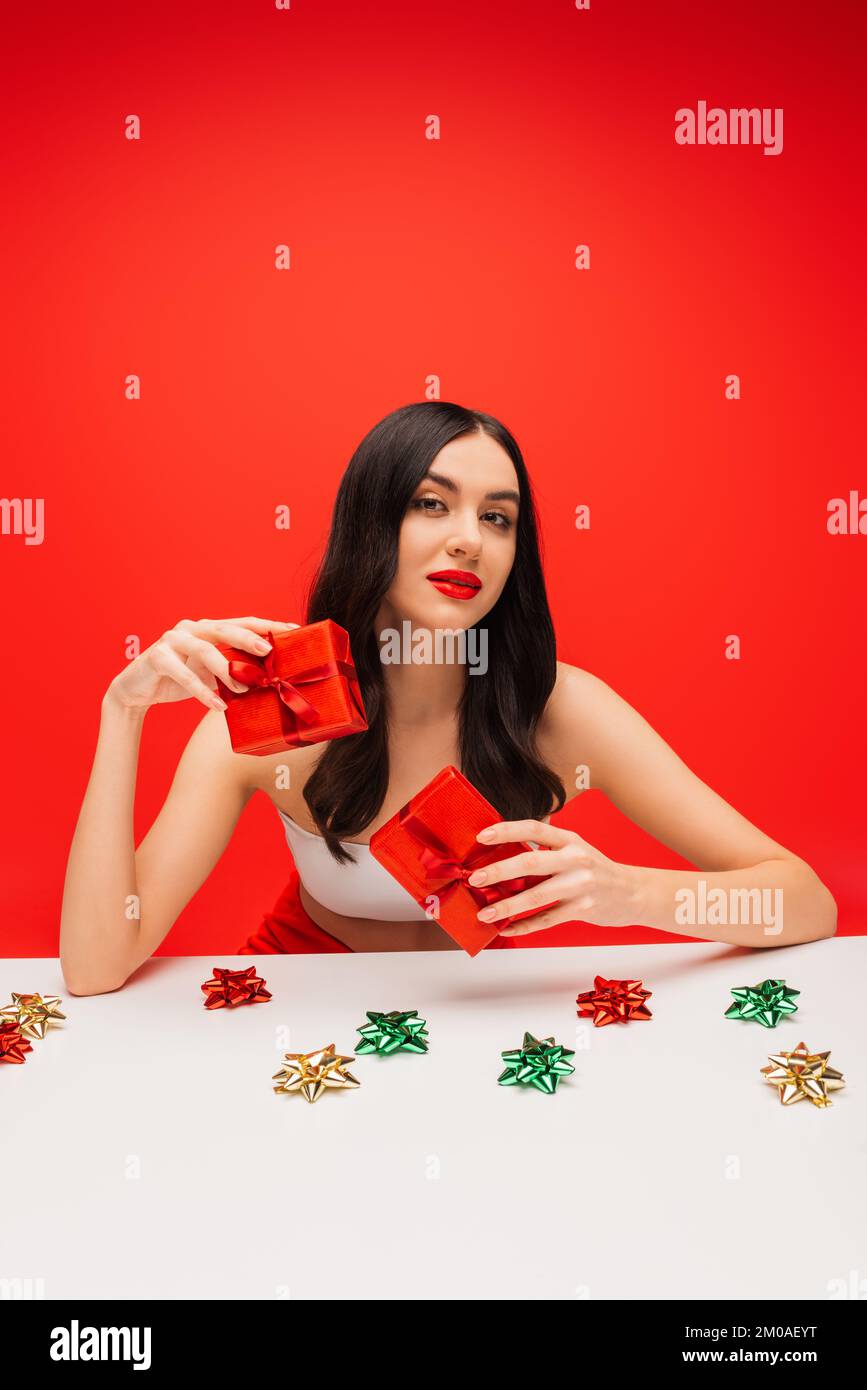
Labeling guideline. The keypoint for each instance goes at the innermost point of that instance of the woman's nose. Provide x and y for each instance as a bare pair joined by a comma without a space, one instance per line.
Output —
467,541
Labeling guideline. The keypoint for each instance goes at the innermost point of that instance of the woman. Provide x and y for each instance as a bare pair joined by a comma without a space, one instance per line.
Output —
434,524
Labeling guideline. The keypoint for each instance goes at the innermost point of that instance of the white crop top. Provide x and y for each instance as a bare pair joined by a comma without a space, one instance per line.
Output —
362,889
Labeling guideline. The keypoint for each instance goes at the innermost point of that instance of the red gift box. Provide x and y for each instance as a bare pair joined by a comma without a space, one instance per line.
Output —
305,690
430,847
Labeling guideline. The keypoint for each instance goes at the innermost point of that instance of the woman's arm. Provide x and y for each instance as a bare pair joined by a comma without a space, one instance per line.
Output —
119,903
750,891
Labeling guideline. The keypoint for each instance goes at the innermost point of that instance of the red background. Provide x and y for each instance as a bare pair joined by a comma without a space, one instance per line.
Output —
454,257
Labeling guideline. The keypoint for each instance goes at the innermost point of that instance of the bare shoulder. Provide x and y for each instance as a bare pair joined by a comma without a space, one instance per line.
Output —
210,743
576,705
561,735
210,748
282,776
574,728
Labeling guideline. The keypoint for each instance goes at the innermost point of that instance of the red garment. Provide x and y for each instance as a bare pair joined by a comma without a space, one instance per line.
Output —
288,929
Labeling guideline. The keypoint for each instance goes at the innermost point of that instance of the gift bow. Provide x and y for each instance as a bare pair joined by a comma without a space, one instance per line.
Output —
445,872
262,673
227,988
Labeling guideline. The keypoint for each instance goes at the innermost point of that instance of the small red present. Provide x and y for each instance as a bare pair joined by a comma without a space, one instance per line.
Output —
305,690
430,847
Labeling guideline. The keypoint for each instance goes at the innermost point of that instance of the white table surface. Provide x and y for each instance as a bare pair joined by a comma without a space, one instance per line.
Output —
144,1153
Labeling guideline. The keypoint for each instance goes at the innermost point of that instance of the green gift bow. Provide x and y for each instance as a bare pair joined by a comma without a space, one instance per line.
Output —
392,1032
765,1003
536,1063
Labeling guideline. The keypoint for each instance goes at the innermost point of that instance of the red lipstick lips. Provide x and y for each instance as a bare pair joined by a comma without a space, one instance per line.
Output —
456,583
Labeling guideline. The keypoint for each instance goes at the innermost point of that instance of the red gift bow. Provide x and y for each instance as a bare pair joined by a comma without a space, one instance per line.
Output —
260,672
13,1044
614,1001
228,988
440,864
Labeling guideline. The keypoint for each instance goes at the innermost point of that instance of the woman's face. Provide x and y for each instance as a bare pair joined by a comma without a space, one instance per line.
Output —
462,519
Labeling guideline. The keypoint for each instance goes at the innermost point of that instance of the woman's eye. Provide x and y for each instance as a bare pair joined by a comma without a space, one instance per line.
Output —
429,504
421,503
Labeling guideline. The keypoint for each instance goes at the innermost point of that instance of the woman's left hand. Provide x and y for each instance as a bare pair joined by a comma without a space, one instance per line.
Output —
586,886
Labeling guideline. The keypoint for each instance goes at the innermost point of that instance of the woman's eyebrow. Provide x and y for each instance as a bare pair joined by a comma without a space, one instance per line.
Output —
506,494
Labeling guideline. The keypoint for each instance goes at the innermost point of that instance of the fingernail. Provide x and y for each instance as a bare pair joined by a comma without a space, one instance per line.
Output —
219,704
478,877
263,646
487,913
485,834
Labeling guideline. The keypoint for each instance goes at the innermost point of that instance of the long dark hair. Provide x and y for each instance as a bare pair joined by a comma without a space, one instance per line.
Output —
499,711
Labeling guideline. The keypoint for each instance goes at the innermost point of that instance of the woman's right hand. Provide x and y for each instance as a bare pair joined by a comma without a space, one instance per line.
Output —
184,662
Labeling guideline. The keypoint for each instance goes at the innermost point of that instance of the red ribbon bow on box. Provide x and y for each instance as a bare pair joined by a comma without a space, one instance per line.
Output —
445,872
260,672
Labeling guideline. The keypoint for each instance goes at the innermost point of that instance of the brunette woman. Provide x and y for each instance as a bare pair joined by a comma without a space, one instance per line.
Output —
434,523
